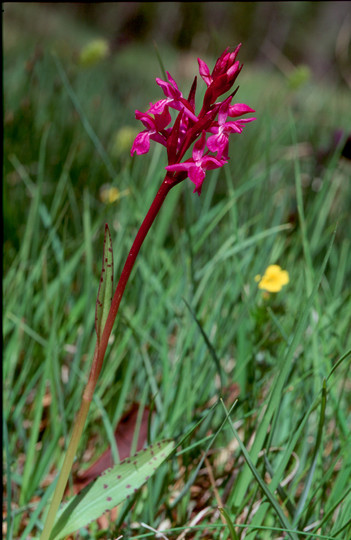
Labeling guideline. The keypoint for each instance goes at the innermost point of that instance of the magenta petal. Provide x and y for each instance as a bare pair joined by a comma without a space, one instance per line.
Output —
165,87
141,143
139,114
232,127
145,119
174,83
199,147
215,143
233,69
185,106
221,63
158,138
210,162
197,176
162,120
214,128
204,72
223,111
180,166
158,107
218,143
243,121
238,109
170,89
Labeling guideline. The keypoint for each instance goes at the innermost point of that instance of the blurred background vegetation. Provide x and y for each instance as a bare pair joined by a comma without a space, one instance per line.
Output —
305,32
296,56
286,44
313,33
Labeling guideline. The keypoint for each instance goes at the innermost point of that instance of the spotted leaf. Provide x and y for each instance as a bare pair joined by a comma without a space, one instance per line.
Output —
104,297
111,488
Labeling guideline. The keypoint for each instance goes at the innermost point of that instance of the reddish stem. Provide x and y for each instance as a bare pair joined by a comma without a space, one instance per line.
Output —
165,187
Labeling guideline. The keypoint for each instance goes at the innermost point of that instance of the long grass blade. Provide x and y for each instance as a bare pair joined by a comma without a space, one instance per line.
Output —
281,516
308,482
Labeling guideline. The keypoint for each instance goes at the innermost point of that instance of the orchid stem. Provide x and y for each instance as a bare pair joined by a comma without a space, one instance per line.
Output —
66,468
99,355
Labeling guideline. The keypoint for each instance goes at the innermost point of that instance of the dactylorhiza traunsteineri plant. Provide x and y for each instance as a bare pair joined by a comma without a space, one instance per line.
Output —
208,131
189,127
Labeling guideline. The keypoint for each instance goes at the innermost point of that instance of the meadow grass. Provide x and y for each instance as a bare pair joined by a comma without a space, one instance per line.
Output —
265,377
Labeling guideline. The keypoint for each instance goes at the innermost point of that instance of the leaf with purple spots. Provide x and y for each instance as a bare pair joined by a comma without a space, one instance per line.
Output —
110,489
104,297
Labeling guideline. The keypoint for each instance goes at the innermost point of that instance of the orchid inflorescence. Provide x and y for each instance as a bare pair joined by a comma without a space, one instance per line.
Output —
189,127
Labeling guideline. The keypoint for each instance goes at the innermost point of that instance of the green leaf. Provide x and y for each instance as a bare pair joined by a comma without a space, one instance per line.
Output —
271,499
104,297
111,488
209,345
231,529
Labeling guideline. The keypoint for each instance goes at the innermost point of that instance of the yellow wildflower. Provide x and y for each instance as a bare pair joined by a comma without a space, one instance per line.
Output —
273,279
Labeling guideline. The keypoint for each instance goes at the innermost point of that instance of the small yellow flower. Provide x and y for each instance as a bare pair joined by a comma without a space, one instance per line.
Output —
110,194
273,279
93,52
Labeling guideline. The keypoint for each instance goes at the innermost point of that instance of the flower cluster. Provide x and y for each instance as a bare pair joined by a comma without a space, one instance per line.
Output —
208,152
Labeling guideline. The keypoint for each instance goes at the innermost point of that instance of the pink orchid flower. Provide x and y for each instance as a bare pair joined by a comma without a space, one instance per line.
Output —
172,93
219,142
197,166
155,130
238,109
174,99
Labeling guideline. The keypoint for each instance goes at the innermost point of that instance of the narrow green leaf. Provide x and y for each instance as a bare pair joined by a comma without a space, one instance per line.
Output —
159,58
328,515
111,488
209,345
271,499
346,527
193,476
226,516
338,362
308,481
8,478
104,297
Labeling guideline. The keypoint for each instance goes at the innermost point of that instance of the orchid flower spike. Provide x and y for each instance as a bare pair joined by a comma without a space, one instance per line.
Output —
190,128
